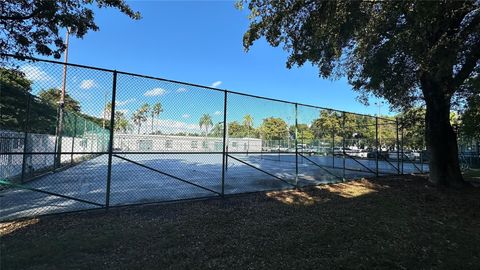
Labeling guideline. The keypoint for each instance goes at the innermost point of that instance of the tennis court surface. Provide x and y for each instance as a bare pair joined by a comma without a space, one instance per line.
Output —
146,178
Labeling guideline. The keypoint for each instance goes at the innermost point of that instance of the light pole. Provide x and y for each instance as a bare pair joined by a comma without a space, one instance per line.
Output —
379,105
61,104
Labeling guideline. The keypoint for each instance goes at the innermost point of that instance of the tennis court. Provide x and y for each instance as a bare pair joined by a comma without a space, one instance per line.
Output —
136,139
144,178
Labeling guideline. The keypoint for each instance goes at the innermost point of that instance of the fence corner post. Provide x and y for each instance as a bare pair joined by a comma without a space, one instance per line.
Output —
376,146
343,144
225,146
398,147
110,142
25,139
296,144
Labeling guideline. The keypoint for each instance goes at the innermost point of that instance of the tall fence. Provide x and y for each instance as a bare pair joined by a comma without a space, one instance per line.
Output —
122,139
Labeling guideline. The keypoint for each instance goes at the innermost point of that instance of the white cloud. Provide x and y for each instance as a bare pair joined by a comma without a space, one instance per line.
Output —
216,84
181,90
186,115
34,73
155,92
87,84
217,113
124,102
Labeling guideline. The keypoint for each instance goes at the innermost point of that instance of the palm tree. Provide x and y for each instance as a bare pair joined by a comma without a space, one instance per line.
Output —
156,110
144,111
137,120
205,121
139,116
121,123
248,122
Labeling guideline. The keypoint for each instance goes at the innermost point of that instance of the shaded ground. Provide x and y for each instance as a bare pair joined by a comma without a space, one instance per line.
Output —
473,175
389,223
133,184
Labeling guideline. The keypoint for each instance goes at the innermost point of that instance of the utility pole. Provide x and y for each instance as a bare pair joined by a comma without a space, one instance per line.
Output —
61,105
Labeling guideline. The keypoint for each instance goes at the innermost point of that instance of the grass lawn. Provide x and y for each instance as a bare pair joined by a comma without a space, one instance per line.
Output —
387,223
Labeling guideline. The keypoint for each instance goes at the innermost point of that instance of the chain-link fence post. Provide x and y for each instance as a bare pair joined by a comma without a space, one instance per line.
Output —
224,156
74,135
25,139
376,146
296,144
343,143
402,154
333,147
397,144
110,143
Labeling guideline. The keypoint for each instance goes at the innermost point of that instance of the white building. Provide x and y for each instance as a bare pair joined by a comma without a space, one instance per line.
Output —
12,147
170,143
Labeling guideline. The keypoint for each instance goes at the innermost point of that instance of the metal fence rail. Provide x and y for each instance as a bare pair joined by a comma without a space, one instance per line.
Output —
125,139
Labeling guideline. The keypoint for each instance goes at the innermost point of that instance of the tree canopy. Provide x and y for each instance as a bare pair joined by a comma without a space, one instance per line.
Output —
384,48
408,52
33,26
52,97
274,129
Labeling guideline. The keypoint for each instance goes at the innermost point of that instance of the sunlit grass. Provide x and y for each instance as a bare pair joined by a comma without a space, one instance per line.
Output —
9,227
353,189
295,197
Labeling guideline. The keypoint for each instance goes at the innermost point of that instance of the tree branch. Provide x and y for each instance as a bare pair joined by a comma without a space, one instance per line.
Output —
20,17
467,68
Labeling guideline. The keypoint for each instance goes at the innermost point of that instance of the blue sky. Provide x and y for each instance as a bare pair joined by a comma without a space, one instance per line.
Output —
197,42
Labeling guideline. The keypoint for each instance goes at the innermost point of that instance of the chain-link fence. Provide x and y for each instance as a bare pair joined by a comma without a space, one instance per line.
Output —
74,137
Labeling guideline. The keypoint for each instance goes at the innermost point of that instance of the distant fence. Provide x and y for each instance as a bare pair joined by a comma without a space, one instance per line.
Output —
124,138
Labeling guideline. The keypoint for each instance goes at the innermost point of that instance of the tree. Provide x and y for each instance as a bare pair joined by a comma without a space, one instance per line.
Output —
206,122
156,110
235,129
470,120
52,96
217,130
304,133
121,122
273,128
140,116
32,26
327,124
470,112
403,51
413,128
14,79
248,123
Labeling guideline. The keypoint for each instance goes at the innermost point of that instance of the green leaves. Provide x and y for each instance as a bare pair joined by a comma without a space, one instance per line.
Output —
32,26
382,47
52,97
274,129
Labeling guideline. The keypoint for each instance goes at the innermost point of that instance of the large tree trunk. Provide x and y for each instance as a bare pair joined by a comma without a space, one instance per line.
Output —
440,138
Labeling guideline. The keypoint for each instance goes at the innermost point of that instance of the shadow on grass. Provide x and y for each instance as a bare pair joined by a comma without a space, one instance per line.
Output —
392,222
